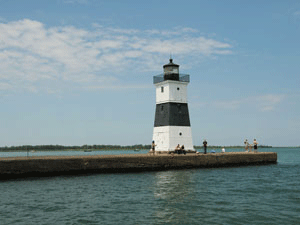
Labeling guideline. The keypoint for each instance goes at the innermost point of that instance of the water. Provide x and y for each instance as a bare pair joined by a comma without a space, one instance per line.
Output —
70,153
246,195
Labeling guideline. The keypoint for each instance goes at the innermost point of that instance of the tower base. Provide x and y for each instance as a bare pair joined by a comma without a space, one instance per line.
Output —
168,137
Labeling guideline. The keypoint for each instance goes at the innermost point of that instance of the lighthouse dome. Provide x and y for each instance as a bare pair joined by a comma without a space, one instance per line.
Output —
171,71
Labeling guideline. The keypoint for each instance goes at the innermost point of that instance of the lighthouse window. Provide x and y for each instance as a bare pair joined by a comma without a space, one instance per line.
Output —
178,89
180,133
162,89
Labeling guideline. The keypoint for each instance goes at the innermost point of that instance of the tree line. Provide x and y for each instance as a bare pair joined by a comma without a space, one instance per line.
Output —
96,147
69,148
234,146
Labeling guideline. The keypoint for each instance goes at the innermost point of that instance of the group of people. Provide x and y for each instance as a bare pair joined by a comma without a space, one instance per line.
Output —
248,147
180,149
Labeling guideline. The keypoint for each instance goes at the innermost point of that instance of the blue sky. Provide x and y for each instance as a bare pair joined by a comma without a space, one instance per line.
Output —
75,72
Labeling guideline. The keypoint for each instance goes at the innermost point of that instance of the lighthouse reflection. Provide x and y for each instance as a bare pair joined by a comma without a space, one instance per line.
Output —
173,191
170,184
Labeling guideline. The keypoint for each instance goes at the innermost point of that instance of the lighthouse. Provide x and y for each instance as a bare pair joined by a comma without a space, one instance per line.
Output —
172,124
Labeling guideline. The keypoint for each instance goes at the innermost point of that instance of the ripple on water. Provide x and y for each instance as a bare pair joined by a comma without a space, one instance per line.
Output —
236,195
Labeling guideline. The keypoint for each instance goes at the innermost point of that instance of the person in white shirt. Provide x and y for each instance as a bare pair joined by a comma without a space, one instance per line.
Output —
246,145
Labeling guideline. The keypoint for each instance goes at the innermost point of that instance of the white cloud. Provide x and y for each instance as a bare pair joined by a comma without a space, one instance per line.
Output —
31,52
297,13
268,102
5,86
175,31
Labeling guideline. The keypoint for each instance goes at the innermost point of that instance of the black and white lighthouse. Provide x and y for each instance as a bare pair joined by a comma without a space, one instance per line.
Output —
172,122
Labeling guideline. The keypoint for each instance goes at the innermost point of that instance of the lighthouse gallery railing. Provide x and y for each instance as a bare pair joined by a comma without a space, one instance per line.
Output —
160,78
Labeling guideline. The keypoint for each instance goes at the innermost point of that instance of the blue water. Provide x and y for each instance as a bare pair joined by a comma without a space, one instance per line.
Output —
236,195
70,153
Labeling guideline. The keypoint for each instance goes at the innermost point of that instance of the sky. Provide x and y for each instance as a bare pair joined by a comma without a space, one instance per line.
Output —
76,72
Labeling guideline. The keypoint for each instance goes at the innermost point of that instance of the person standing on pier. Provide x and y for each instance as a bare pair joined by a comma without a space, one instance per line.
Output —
204,145
153,147
246,145
255,145
182,151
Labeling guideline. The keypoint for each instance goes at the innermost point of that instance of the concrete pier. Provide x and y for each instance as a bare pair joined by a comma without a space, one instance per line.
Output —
19,167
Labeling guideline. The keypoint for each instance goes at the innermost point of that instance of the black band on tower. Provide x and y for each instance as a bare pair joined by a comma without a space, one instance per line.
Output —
172,114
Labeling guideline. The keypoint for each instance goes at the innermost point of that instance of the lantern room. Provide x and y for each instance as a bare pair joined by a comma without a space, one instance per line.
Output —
171,71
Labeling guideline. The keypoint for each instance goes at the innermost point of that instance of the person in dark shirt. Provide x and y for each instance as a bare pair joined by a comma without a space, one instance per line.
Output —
153,147
204,146
255,145
182,151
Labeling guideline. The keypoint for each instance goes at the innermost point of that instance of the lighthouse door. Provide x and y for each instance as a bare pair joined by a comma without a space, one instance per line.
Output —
161,140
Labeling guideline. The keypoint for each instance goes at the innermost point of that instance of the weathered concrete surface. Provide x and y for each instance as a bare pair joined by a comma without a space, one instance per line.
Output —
61,165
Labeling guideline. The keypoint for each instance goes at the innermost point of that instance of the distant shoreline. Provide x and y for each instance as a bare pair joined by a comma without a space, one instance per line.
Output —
25,148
